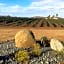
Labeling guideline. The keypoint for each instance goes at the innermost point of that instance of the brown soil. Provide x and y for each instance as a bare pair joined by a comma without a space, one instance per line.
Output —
7,33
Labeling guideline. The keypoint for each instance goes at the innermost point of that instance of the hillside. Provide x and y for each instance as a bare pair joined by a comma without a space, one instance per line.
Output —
31,22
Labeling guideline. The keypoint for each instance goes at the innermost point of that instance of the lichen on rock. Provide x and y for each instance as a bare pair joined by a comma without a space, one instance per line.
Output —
56,45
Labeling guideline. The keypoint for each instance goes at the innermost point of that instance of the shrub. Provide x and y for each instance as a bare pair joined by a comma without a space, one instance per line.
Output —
36,49
44,41
21,56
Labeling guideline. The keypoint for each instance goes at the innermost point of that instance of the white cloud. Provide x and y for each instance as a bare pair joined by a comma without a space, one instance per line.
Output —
40,7
41,3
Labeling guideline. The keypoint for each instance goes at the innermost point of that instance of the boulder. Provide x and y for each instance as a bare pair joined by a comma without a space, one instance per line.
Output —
24,39
56,45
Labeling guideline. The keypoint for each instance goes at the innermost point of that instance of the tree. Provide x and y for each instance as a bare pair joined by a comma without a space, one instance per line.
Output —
56,15
49,17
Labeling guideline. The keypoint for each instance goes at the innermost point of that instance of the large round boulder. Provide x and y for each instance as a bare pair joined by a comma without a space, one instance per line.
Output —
24,39
56,44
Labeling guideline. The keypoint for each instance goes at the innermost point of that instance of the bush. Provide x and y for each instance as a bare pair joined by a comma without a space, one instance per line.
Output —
44,42
36,49
21,56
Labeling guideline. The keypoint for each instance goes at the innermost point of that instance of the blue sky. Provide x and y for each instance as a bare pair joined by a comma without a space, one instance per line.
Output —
16,2
29,8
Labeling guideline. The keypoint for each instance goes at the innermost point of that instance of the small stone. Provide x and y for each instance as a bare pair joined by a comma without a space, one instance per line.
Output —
48,54
42,62
43,54
1,61
7,46
47,62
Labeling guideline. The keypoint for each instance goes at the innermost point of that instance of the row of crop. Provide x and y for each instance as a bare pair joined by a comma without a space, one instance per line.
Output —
31,22
41,23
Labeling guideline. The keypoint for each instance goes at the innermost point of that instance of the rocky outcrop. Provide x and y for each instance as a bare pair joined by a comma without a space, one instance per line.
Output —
24,39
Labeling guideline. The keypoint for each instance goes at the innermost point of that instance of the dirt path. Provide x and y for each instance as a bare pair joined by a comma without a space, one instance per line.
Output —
7,33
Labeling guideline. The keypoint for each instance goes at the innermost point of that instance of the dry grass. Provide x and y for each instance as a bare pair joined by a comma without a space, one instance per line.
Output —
61,63
7,33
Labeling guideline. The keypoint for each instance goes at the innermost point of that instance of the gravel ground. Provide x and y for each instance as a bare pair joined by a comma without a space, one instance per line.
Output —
47,57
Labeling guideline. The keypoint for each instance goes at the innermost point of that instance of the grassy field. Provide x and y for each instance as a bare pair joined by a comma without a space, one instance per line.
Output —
8,33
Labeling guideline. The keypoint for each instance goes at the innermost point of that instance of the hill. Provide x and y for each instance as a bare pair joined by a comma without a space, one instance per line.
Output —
31,22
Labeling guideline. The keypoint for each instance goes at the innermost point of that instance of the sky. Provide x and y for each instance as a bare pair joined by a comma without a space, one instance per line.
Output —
30,8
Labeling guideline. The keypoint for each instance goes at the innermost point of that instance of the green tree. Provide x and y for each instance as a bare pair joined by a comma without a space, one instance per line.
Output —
56,15
48,17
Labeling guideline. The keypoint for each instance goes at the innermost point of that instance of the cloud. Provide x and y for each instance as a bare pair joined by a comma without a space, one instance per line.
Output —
46,6
40,7
41,3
